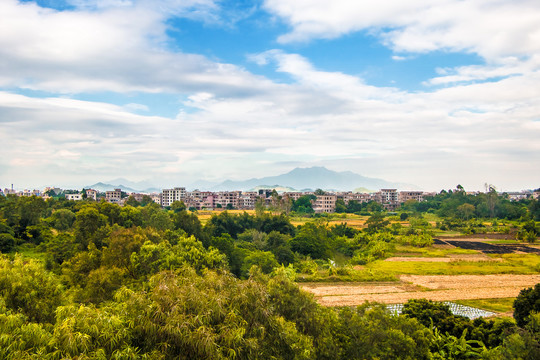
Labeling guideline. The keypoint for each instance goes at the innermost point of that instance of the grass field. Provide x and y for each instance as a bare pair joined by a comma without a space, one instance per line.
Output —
352,220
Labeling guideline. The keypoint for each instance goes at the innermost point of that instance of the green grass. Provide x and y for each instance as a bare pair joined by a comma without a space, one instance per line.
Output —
381,270
365,275
30,251
505,242
503,305
529,260
432,252
438,232
450,268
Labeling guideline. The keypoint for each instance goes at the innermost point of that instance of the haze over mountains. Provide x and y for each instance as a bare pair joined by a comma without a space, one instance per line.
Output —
300,179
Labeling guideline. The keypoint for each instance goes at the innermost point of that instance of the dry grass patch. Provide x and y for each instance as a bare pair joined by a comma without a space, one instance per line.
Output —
436,288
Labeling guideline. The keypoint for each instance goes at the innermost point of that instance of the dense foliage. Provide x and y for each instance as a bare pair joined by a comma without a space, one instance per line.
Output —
93,280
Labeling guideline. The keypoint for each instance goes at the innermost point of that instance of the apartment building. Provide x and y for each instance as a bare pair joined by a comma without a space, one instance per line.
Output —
168,196
389,198
91,194
114,196
247,200
156,198
225,198
27,192
294,195
516,196
358,197
74,197
325,204
411,195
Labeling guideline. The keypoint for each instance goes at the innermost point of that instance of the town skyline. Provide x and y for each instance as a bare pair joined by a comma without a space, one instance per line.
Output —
295,180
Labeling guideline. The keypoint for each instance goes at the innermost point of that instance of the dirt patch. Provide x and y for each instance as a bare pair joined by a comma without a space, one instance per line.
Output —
437,282
436,287
479,245
493,249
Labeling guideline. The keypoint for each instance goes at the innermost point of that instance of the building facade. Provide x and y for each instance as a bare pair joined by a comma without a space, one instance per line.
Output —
168,196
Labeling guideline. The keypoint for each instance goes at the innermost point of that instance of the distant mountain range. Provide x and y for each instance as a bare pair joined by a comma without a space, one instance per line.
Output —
314,178
299,179
124,185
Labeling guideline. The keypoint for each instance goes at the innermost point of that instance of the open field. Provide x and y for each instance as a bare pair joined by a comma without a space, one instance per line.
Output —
437,288
450,258
352,220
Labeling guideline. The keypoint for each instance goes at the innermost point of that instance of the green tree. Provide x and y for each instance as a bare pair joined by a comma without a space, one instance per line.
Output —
218,317
27,287
303,205
260,206
122,243
146,200
178,206
62,219
313,240
7,242
528,301
160,220
466,211
131,201
370,332
88,223
340,206
376,223
60,248
191,224
265,260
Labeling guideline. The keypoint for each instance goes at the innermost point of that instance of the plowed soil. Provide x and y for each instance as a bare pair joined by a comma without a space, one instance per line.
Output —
436,287
477,244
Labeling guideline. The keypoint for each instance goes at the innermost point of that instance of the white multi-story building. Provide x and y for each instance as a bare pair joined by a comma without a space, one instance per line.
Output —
389,198
168,196
74,197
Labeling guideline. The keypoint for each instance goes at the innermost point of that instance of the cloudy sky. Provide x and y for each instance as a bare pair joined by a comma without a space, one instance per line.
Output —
430,92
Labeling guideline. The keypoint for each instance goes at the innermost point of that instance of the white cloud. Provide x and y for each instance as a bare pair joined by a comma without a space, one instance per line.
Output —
491,28
119,49
234,122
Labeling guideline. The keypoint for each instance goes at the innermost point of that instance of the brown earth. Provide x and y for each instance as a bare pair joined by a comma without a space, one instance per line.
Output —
432,287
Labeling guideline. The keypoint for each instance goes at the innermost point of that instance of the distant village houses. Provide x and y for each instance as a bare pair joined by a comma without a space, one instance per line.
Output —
323,202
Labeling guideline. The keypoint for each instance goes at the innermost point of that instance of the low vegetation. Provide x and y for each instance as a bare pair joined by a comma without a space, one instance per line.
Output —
87,280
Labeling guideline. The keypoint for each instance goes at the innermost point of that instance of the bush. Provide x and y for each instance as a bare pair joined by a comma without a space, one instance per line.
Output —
421,240
527,301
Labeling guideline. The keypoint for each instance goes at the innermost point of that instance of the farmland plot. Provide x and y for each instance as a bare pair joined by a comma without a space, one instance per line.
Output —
432,287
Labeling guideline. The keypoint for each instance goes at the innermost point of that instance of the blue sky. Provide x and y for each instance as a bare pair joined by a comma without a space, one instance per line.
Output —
431,93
